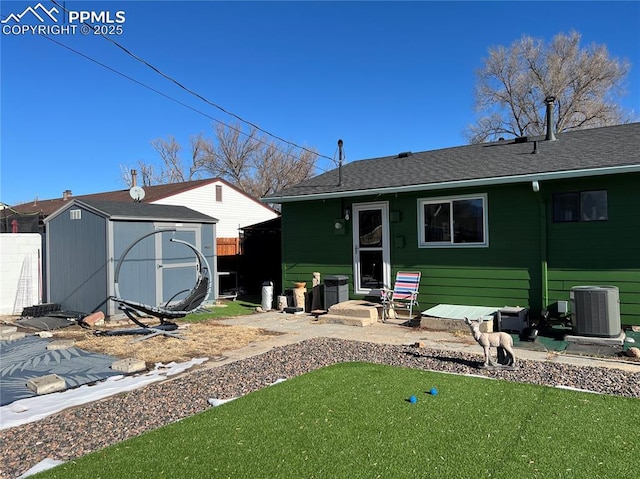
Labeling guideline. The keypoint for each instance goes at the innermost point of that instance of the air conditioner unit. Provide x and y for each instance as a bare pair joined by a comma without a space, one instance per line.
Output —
595,311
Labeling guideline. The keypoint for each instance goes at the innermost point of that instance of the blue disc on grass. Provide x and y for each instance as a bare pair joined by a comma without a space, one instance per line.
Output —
433,391
413,399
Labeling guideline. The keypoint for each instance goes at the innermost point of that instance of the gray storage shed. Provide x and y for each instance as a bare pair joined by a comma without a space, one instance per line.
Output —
86,239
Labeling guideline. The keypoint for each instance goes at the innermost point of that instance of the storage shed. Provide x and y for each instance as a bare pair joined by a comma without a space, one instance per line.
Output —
86,240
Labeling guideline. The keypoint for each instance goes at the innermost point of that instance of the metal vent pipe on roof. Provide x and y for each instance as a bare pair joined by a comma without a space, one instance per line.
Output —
340,143
549,101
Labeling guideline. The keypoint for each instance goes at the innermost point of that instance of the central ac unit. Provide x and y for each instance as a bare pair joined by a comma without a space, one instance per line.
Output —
595,311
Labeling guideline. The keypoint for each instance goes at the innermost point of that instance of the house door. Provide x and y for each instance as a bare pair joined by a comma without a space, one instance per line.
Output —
176,265
371,269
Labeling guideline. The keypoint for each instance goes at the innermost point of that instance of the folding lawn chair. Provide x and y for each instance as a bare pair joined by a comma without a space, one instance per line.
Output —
404,293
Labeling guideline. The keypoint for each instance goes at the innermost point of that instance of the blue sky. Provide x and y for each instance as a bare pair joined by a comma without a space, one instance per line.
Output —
385,77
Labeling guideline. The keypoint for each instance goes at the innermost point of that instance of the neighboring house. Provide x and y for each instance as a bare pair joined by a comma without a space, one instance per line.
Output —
510,223
213,197
86,239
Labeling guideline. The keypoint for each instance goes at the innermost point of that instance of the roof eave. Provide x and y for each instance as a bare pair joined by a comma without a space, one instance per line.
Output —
499,180
118,217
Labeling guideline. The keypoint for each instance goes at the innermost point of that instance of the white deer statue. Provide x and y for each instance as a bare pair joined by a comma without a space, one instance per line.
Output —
503,342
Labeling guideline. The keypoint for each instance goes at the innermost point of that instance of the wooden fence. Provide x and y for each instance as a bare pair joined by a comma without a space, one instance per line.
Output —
228,246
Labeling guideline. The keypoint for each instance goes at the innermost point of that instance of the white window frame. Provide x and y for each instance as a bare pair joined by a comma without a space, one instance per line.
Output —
422,243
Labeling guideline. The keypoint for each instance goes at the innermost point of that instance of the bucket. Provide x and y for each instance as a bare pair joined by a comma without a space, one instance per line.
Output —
267,295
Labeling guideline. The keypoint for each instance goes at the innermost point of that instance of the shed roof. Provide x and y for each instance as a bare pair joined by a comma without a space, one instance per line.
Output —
132,211
597,151
152,194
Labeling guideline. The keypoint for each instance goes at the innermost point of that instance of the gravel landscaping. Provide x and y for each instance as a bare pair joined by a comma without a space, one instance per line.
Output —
81,430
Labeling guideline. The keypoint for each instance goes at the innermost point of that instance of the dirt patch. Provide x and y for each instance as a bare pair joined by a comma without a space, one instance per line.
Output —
204,339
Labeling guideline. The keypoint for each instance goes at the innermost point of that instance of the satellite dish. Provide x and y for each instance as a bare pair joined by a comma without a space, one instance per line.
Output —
136,193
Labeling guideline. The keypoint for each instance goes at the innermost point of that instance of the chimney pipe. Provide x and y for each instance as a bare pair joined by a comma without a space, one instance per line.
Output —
340,162
549,101
66,194
134,178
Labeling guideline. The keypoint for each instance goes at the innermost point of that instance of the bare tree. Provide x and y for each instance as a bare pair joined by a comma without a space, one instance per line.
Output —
145,172
513,83
248,161
257,166
173,169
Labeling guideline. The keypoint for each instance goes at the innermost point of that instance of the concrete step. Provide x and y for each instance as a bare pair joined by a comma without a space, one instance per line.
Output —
352,313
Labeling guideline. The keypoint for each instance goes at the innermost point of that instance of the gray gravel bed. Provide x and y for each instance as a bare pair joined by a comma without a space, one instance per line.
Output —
75,432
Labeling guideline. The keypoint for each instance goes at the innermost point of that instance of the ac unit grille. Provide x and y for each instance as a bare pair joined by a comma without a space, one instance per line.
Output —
595,311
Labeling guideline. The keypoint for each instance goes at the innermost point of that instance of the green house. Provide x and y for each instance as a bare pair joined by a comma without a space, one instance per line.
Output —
511,223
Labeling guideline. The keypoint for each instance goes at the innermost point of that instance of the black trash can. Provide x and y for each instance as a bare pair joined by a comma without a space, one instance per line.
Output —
336,290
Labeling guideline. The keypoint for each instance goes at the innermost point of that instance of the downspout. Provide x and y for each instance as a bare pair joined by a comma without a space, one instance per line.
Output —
544,273
543,252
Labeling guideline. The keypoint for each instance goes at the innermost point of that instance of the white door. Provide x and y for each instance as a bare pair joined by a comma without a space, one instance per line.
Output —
371,269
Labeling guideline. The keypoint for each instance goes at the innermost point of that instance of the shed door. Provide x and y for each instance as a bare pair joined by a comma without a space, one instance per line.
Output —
176,265
371,247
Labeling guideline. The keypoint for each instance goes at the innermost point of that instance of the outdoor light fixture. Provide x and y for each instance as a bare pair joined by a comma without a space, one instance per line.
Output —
536,186
347,214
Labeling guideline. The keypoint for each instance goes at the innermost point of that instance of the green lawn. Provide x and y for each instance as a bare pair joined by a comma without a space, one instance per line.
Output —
354,420
241,306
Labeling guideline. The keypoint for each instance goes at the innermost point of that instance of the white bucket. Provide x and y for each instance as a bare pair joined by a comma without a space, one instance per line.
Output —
267,296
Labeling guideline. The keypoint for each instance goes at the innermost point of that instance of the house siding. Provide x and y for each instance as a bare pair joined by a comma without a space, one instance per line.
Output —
511,270
599,252
309,243
235,211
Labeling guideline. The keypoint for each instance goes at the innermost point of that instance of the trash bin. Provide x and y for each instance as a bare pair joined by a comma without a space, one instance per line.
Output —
267,296
336,290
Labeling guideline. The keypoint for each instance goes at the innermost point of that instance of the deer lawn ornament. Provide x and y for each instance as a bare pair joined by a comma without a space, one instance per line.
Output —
503,342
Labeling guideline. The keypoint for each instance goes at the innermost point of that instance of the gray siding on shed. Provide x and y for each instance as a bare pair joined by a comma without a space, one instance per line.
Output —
84,254
77,273
137,274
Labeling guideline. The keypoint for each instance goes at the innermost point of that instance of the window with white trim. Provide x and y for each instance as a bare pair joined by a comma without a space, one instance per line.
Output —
456,221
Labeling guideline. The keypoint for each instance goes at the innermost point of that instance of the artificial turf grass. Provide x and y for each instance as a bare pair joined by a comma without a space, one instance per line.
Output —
353,420
241,306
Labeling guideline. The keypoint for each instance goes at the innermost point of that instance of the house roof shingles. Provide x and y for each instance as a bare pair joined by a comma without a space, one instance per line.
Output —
572,152
152,193
120,210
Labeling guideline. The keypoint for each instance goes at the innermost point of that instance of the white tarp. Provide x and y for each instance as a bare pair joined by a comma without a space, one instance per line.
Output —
20,271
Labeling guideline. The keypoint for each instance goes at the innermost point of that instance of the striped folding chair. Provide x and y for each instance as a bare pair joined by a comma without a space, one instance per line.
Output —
403,295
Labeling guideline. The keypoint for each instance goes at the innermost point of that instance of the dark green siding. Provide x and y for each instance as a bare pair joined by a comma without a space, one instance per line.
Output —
510,271
310,244
507,272
600,252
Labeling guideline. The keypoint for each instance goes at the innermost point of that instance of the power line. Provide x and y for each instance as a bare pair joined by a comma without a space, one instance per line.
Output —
257,139
158,91
196,94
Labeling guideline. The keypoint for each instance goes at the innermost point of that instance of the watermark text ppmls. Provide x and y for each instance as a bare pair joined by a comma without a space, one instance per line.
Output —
41,19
